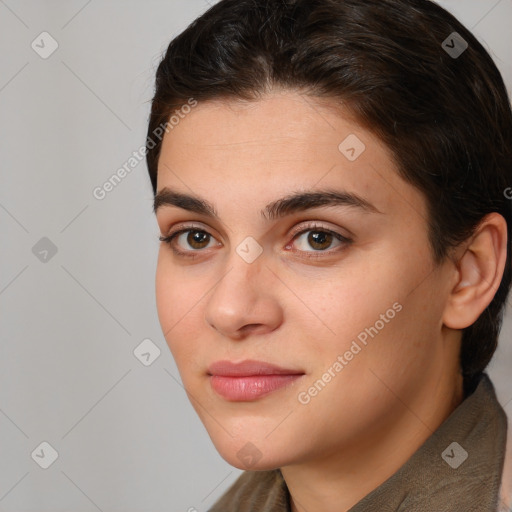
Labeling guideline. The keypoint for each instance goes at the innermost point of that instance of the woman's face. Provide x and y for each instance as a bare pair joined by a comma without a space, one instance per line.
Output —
341,295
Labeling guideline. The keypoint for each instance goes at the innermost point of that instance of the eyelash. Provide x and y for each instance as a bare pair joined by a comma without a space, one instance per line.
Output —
312,227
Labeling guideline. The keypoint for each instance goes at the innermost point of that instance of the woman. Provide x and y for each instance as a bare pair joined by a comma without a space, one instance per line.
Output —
330,182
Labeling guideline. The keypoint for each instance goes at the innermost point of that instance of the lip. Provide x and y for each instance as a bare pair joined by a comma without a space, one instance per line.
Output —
249,379
249,368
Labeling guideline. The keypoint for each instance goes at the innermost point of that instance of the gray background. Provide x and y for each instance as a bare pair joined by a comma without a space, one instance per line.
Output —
126,436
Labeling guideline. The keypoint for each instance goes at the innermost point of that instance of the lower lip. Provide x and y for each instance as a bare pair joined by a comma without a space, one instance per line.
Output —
238,389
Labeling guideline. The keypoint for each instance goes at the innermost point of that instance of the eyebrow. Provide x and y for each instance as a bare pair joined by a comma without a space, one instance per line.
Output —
294,202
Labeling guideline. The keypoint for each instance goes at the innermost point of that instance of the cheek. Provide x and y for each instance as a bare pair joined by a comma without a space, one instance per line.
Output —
347,302
166,290
377,303
176,300
177,290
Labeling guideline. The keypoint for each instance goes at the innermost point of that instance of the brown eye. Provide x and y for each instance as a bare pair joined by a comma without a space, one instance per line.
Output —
187,242
320,239
198,239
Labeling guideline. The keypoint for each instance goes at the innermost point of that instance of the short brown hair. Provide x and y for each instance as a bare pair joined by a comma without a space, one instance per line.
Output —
446,118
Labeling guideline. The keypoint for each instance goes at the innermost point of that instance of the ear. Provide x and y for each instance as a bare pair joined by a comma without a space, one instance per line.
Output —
479,269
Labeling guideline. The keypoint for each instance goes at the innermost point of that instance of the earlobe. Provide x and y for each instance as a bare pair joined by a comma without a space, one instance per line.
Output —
479,273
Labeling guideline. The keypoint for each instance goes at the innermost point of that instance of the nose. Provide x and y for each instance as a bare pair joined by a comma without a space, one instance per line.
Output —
243,302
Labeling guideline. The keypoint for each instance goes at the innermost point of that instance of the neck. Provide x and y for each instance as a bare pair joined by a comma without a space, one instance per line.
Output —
337,481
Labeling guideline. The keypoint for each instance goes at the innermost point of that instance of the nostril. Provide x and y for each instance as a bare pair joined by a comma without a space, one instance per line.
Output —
250,328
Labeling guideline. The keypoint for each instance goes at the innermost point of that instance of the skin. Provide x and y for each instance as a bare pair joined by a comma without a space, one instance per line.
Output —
301,313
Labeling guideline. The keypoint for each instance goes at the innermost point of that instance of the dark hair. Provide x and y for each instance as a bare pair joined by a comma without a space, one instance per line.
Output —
445,117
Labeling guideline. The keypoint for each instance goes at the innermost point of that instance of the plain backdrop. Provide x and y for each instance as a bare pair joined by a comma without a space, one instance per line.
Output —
77,273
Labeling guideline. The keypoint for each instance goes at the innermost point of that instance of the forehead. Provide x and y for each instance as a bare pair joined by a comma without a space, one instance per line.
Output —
259,150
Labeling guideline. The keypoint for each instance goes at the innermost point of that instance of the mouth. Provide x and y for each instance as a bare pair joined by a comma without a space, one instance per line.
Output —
249,380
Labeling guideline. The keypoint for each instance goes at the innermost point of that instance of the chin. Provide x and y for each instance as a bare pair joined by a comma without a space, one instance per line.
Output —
250,463
249,456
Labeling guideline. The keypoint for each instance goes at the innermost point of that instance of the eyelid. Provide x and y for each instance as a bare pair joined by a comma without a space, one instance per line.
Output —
312,225
186,226
302,228
318,255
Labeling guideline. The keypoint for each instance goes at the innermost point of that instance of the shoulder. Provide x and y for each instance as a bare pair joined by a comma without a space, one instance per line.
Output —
262,491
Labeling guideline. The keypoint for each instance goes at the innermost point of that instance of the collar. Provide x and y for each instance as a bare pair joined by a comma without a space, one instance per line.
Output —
459,466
